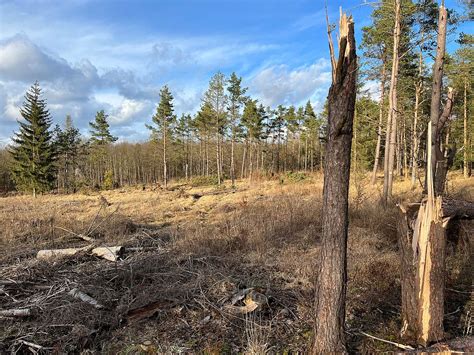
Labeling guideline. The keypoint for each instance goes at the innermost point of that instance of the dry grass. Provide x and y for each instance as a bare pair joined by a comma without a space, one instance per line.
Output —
264,235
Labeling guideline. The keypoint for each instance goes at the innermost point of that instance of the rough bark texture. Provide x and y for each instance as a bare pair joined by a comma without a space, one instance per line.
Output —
409,311
332,273
391,134
438,119
379,132
422,242
423,264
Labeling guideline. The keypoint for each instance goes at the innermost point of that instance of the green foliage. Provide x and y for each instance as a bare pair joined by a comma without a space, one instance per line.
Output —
68,147
203,180
108,183
293,177
6,177
216,100
253,120
164,118
100,130
33,152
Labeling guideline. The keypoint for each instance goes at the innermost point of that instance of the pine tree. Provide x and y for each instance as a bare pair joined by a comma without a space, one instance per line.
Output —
312,127
217,99
100,130
33,152
236,99
164,120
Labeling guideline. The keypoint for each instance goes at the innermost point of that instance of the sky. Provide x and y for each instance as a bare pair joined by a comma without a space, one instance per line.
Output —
115,55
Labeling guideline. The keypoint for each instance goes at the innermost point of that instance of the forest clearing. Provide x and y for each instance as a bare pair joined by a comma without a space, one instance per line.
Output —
189,252
290,179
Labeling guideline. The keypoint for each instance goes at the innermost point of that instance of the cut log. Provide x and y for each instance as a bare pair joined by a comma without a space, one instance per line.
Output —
109,253
16,312
48,254
85,298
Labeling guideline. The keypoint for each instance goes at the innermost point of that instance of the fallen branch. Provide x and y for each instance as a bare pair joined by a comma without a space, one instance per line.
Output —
30,344
80,236
398,345
85,298
16,312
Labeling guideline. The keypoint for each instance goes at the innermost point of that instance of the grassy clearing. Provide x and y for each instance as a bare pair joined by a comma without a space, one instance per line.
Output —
205,245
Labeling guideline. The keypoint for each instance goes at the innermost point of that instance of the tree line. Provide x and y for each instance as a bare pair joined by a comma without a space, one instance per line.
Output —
235,136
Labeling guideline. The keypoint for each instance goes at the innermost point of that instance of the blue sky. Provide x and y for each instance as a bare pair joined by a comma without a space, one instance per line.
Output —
115,55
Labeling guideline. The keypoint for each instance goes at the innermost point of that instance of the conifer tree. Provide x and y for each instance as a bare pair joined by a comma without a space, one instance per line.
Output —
101,138
33,152
100,130
311,132
236,99
68,147
217,99
164,120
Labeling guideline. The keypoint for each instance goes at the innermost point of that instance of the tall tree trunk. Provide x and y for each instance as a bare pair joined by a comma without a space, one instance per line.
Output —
391,135
466,141
379,132
405,151
165,167
437,120
306,153
232,163
332,272
243,161
422,237
415,140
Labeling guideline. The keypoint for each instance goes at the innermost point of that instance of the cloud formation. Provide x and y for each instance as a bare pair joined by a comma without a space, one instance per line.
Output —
281,85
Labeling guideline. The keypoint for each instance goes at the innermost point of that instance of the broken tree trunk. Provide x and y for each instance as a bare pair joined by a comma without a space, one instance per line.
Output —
422,232
422,241
331,280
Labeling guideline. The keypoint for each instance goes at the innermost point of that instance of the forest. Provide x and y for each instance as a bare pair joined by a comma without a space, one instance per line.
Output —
248,228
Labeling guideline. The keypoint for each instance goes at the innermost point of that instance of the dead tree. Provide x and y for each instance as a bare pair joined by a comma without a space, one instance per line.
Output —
332,273
422,227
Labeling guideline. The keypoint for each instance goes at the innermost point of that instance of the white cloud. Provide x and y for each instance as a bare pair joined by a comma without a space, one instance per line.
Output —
280,85
22,60
129,110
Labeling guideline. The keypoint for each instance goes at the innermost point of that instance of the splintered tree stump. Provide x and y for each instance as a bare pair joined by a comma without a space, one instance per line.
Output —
422,244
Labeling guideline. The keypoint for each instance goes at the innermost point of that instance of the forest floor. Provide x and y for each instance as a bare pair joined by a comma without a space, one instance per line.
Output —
196,259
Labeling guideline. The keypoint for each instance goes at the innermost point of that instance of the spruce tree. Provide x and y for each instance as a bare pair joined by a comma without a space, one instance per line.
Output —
32,151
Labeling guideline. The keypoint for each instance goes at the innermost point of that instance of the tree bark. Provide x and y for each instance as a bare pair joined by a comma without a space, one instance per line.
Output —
332,271
391,134
379,133
465,136
423,264
437,120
